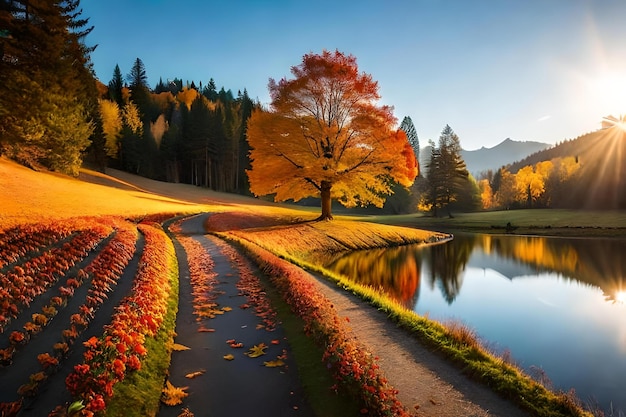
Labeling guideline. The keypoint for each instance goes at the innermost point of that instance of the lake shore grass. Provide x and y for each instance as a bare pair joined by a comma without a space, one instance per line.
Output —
306,245
542,222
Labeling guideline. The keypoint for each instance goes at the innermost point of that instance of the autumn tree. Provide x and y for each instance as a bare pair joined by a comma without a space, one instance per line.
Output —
506,194
530,182
112,123
324,135
486,194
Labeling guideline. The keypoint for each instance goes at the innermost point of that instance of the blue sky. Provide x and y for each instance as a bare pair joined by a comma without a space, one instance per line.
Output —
540,70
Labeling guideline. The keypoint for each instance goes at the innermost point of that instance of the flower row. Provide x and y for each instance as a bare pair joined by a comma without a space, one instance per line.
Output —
23,283
354,367
102,274
120,349
19,242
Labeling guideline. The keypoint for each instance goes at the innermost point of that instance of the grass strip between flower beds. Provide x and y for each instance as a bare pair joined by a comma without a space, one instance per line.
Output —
452,342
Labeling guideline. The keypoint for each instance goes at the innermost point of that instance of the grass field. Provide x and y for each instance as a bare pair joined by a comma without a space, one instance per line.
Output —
554,222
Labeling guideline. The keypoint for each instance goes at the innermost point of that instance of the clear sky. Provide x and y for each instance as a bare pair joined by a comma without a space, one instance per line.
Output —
529,70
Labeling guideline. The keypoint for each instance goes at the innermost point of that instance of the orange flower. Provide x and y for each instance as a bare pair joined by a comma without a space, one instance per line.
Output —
91,343
119,368
140,349
16,337
121,347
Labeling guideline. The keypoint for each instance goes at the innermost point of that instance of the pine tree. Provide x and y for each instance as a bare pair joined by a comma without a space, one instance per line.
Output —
447,173
48,95
411,134
115,87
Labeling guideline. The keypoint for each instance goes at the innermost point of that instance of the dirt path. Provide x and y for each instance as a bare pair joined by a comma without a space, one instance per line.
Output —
428,384
241,386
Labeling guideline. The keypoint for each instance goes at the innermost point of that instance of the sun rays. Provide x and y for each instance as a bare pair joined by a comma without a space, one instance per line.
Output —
604,166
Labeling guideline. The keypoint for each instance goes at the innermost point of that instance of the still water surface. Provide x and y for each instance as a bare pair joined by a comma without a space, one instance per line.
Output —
556,305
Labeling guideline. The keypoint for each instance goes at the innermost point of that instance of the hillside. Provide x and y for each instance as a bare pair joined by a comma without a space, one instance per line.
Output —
483,159
601,179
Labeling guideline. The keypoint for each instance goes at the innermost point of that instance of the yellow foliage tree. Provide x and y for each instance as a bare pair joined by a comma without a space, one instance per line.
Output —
531,181
132,118
507,192
486,194
187,96
324,135
111,126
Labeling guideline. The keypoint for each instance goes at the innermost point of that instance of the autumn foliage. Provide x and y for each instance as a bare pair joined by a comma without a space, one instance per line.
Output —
353,366
325,136
56,280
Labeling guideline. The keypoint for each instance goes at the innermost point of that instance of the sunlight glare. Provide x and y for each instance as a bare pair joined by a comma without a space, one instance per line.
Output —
620,297
609,92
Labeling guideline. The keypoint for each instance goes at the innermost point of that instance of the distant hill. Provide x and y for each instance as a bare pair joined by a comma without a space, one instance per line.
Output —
483,159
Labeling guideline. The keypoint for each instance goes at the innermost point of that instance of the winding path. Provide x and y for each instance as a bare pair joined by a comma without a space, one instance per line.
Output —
428,384
242,386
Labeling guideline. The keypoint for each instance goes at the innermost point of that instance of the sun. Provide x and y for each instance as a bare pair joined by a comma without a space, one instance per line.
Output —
608,91
620,297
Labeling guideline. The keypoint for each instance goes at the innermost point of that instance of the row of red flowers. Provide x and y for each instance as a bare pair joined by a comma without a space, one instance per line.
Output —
18,242
102,272
28,280
354,367
120,349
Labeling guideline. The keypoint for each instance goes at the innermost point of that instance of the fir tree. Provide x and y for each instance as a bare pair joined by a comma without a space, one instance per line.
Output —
48,95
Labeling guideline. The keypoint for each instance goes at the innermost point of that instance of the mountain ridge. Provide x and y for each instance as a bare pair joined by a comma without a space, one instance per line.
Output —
504,153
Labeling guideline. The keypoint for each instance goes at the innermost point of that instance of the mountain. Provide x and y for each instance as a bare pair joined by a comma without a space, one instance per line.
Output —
483,159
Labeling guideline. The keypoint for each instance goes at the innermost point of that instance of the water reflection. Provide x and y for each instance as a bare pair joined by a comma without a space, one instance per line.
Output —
398,271
551,302
395,271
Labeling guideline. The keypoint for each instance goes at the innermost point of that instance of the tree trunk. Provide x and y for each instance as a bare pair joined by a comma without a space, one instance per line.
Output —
326,201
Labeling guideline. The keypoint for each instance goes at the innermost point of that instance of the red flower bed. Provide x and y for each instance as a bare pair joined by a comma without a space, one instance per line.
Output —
19,242
120,349
27,280
352,364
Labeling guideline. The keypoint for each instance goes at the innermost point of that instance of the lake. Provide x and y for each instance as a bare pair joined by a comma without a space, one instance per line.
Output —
557,306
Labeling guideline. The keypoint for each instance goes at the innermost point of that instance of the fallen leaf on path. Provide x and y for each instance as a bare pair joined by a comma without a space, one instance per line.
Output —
186,413
275,342
227,308
173,395
195,374
203,329
178,347
274,364
229,357
256,350
260,326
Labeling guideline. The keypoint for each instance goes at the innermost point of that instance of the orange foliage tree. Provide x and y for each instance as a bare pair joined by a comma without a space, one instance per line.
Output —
324,135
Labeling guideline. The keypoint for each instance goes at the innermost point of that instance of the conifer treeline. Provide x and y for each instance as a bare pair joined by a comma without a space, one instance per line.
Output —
177,133
54,113
48,96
